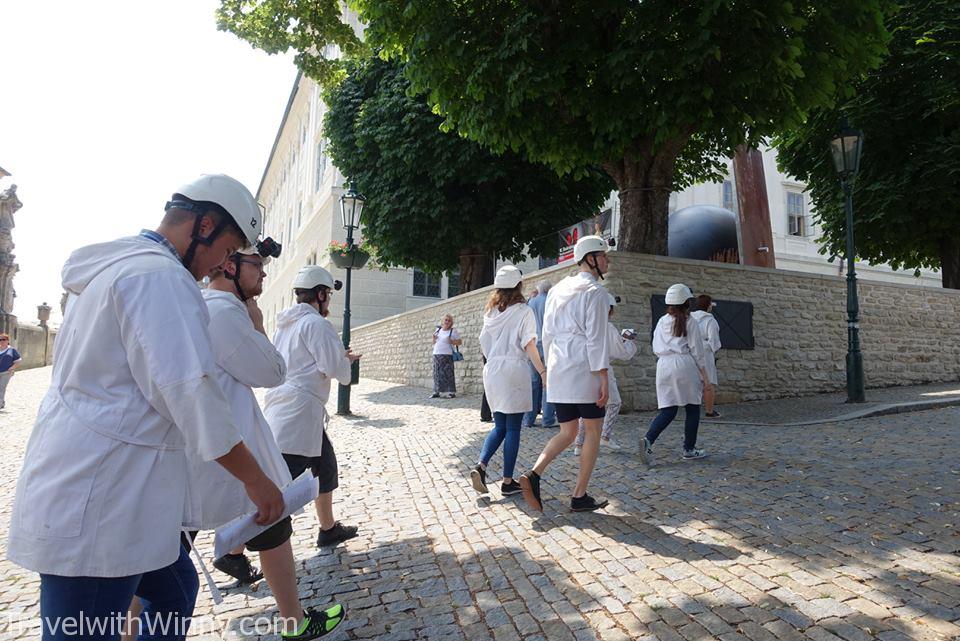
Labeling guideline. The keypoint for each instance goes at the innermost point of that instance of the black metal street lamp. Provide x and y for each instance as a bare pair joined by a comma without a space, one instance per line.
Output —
846,147
351,208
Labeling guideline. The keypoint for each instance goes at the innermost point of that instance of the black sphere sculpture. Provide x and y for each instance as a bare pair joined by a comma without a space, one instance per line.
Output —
701,232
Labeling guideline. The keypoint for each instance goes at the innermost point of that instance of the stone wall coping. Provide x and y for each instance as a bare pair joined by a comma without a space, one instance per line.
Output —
542,273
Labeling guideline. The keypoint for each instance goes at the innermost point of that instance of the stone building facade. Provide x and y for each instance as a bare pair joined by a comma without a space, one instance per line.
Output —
908,333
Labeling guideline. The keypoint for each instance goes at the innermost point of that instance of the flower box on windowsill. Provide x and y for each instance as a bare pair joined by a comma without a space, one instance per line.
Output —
352,258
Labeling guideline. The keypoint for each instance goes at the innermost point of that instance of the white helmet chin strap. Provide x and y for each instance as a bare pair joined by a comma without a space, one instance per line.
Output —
594,265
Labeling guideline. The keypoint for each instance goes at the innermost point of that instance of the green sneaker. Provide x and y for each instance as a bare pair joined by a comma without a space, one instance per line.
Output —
319,624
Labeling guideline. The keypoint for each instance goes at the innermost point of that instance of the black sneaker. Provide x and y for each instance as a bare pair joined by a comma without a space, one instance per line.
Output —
435,395
530,486
319,624
511,488
586,503
478,476
239,567
713,414
337,534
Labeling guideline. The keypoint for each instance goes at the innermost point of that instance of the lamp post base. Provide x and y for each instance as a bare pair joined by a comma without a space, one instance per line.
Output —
855,393
343,400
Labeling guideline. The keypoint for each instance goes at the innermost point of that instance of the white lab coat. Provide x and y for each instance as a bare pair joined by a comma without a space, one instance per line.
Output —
710,331
575,339
679,359
314,355
103,490
506,376
620,350
245,359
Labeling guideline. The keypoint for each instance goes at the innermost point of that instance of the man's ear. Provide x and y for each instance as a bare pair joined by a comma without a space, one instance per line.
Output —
207,225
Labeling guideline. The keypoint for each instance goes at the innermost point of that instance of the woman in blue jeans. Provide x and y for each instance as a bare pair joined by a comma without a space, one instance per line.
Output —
508,338
680,373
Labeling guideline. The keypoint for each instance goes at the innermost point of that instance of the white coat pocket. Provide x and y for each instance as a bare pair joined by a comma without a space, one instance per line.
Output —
56,489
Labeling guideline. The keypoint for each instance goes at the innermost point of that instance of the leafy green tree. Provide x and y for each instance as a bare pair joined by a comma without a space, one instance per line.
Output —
656,92
907,195
436,200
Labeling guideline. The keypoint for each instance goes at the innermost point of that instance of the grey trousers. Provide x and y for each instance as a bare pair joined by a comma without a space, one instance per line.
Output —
4,379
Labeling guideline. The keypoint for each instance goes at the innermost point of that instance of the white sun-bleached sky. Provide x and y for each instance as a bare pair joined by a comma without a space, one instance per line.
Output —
106,106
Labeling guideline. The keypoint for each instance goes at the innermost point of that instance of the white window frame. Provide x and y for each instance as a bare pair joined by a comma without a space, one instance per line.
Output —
796,222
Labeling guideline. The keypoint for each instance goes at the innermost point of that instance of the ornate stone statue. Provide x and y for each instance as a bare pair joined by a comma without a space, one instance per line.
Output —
9,204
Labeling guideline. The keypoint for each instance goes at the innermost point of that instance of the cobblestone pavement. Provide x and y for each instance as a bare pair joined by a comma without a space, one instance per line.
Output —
842,531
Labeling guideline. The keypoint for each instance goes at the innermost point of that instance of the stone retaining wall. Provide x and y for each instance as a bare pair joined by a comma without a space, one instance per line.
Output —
909,335
29,341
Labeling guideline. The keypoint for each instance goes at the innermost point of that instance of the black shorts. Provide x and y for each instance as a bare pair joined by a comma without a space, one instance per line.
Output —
572,411
273,537
324,467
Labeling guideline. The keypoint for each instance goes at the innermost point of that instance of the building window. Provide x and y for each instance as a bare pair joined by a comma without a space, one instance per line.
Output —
425,284
321,167
453,283
299,213
795,214
729,202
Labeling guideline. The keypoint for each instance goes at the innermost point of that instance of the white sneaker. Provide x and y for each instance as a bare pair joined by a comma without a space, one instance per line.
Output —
612,444
689,455
576,451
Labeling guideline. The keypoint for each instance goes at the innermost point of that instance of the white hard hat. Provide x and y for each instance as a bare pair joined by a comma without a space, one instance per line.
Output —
253,250
230,194
678,294
312,276
507,277
588,245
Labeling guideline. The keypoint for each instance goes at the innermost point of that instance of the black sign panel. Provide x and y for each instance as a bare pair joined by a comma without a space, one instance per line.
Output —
735,319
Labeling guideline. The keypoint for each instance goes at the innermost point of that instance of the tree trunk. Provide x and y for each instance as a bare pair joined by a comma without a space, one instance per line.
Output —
950,262
476,268
755,231
644,180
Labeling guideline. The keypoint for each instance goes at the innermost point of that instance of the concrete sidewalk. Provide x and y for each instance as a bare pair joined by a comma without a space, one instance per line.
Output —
833,407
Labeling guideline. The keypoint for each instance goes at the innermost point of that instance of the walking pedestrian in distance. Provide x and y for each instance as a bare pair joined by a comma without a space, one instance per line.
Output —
680,373
540,404
578,357
9,361
446,339
710,331
508,339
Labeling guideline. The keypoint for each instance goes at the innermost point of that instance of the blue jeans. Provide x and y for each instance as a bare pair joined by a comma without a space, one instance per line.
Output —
539,398
83,608
691,424
506,430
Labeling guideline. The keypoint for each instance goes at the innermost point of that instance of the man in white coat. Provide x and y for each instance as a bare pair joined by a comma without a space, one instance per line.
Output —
103,491
578,357
246,359
296,409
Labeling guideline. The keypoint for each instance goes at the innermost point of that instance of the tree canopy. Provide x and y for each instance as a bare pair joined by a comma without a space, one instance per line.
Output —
656,92
907,195
436,200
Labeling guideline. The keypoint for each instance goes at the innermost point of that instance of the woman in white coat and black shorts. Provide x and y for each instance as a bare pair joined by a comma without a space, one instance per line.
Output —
680,373
508,341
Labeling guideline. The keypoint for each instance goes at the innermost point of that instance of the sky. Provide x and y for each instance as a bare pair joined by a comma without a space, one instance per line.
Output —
107,106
